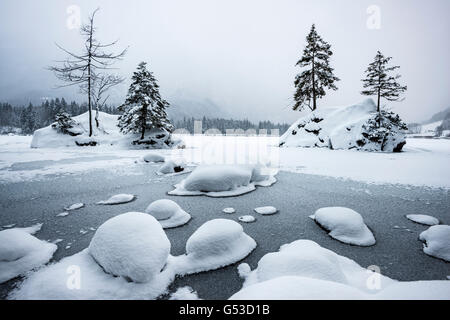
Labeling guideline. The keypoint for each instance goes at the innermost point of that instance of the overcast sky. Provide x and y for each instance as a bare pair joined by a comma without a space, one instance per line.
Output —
240,54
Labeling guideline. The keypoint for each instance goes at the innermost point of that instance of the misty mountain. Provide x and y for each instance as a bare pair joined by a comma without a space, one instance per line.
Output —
187,108
440,116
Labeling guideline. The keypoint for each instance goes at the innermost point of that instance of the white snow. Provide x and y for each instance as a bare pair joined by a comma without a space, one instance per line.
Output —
153,157
172,167
345,225
118,199
135,246
423,219
266,211
74,207
168,213
63,214
437,242
184,293
21,252
216,244
338,128
223,180
247,219
305,270
229,210
132,245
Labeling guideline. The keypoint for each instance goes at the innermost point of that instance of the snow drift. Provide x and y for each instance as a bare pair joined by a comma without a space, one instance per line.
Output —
305,270
224,180
350,127
21,252
437,242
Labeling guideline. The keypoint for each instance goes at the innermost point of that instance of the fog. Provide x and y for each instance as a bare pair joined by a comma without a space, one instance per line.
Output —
239,54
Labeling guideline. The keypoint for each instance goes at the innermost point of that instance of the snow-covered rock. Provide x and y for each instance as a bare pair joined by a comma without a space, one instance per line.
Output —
153,158
350,127
118,199
266,211
172,167
247,219
184,293
305,270
229,210
74,207
21,252
224,180
345,225
216,244
423,219
437,242
168,213
132,245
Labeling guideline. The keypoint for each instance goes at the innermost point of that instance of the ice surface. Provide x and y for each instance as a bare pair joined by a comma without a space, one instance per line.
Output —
437,242
168,213
118,199
305,270
345,225
132,245
21,252
423,219
223,180
266,211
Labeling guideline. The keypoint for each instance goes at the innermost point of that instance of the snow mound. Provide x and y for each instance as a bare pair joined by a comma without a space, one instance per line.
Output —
305,270
21,252
224,180
437,242
184,293
345,225
153,158
349,127
172,167
118,199
132,245
247,219
74,207
229,210
214,245
423,219
266,211
168,213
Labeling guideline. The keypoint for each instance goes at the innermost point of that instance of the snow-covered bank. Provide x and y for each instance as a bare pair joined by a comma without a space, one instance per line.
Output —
423,162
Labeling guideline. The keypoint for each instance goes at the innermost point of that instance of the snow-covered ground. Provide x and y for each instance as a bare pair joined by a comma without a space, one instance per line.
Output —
424,162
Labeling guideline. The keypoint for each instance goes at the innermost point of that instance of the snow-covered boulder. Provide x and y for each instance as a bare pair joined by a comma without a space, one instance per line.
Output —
216,244
437,242
153,158
266,211
305,270
118,199
132,245
172,167
345,225
351,127
423,219
21,252
224,180
247,219
168,213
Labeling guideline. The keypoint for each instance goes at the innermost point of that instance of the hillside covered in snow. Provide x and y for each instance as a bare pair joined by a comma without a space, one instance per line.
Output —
356,126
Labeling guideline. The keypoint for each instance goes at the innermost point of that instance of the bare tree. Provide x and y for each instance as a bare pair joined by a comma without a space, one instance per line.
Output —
81,69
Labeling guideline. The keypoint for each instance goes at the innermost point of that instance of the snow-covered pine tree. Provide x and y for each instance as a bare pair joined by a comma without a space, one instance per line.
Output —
65,124
28,119
318,76
379,82
144,109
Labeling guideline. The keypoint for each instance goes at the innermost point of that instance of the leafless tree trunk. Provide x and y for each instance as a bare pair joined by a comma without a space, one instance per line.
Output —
82,69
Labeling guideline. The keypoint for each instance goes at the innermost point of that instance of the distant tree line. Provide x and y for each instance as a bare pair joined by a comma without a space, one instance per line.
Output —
34,117
223,124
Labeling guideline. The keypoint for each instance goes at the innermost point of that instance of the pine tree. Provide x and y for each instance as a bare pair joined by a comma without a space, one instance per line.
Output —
144,109
64,123
379,82
28,119
318,76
